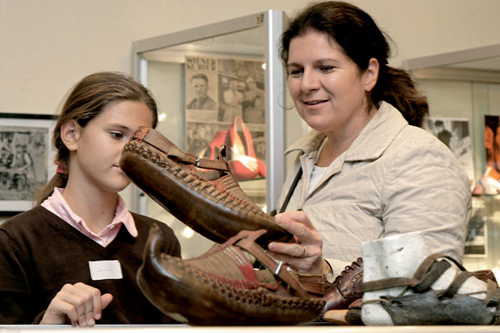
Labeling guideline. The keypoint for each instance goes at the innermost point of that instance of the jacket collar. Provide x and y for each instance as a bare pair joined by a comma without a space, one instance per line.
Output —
371,142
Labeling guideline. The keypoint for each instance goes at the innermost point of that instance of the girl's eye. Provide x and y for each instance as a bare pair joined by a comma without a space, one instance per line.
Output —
116,135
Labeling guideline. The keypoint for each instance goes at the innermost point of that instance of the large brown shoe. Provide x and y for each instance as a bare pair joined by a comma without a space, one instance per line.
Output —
345,295
201,193
222,287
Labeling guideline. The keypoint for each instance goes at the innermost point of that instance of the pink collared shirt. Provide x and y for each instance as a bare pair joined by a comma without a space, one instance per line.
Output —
58,205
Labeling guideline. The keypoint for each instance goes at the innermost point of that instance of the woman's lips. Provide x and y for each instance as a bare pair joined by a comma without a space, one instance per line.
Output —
316,102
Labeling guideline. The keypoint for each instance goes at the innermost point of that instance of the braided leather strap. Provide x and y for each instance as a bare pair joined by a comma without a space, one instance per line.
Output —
247,242
178,155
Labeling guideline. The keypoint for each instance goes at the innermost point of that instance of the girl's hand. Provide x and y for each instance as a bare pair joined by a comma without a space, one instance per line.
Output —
79,304
304,253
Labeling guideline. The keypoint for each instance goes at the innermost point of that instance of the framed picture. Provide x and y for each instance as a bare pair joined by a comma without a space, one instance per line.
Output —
26,158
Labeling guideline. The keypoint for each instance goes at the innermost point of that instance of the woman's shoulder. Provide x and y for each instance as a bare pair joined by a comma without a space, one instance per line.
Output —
415,147
420,139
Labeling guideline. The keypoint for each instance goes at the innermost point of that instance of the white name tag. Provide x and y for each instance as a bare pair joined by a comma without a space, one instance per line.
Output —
105,269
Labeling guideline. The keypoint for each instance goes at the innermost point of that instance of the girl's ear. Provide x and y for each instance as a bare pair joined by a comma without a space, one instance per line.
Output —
70,134
370,75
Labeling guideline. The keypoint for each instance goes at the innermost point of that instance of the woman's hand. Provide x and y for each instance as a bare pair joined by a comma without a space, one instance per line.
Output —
304,253
79,304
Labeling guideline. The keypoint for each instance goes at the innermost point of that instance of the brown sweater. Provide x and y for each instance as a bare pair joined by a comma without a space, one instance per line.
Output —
39,253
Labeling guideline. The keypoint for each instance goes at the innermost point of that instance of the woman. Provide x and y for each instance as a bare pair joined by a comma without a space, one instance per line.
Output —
73,258
366,170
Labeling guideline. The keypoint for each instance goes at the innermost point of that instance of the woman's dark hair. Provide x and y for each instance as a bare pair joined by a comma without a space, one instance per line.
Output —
86,101
361,39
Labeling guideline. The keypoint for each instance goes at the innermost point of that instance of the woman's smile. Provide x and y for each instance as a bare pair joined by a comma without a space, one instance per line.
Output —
315,102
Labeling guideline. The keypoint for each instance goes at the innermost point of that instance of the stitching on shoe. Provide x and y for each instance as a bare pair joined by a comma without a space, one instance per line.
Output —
228,199
240,291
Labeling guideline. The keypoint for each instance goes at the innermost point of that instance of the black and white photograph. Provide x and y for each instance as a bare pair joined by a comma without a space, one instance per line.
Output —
225,106
26,159
201,85
455,134
241,90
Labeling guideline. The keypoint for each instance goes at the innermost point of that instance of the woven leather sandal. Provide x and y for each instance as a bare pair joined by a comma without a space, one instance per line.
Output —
221,287
201,193
426,306
344,298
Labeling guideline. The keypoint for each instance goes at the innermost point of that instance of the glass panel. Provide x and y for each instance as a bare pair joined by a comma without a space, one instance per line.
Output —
464,86
214,91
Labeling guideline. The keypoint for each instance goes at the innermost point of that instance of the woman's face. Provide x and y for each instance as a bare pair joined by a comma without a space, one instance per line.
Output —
327,87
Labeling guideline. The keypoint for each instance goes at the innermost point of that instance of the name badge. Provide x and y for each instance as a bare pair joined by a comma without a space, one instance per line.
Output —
105,270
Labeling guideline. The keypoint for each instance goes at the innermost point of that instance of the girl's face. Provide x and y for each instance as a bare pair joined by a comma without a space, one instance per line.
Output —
327,87
98,146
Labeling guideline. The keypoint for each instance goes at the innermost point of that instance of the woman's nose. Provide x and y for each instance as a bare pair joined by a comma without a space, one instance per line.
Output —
310,81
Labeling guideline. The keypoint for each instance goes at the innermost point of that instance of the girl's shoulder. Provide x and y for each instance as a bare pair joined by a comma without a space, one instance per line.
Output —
31,224
26,218
143,223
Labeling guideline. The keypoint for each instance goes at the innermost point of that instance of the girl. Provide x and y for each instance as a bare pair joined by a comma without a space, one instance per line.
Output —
73,257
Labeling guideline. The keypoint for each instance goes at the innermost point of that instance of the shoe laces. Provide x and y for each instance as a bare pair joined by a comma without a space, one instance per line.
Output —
347,270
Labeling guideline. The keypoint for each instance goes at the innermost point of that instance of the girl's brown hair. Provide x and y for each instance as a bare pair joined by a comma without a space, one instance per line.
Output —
85,101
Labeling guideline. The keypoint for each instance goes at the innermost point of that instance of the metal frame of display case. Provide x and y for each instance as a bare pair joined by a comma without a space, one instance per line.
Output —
273,22
455,57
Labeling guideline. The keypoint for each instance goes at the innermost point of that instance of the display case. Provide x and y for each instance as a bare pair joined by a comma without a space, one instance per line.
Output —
220,84
463,91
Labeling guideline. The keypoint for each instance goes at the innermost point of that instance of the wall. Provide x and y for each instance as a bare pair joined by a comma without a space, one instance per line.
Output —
46,46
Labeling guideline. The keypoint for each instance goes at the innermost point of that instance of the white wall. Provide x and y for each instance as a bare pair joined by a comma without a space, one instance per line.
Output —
48,45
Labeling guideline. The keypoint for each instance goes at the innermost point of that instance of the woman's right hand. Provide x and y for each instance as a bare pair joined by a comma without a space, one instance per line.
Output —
304,254
78,303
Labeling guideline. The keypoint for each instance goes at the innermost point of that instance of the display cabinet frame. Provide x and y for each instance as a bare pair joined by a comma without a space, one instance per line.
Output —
252,38
273,22
465,84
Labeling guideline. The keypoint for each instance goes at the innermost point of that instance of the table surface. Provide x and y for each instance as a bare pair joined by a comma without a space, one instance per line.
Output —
260,329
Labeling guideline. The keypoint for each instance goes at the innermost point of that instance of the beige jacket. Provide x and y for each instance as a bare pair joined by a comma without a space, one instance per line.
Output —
394,178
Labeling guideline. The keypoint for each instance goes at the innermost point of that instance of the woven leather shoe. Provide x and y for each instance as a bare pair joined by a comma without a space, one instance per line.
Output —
221,287
201,193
